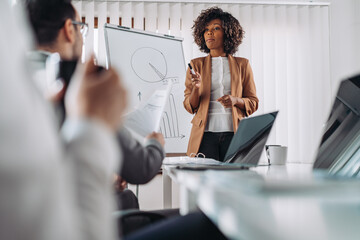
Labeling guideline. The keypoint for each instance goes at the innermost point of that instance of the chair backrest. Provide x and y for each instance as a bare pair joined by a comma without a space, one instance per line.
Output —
132,220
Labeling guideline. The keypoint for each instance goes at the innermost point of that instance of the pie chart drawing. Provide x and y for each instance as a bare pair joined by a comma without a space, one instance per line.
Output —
149,64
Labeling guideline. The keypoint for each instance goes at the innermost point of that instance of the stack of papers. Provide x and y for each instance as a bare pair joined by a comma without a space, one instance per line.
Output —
189,160
195,163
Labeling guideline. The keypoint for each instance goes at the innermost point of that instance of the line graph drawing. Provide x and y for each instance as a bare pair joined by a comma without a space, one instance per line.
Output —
170,123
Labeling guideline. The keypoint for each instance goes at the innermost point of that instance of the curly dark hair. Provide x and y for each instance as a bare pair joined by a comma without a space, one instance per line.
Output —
233,32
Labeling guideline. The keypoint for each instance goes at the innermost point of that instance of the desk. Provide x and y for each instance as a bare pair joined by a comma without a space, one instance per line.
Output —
276,202
190,181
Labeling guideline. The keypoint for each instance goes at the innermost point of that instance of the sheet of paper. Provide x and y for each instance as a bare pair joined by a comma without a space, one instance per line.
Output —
146,118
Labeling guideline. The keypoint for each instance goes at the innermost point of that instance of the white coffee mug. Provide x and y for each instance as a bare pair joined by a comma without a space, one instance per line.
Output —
276,154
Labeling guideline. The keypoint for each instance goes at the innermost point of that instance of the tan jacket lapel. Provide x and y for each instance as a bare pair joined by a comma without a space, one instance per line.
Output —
206,78
235,81
206,91
234,74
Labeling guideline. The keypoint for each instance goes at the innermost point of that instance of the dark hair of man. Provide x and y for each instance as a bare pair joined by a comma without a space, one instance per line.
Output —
233,32
47,17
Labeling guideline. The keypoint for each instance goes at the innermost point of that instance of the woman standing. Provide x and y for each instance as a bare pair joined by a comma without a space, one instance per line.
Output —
222,91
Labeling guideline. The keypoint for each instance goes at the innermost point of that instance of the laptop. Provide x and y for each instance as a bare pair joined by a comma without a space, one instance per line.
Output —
246,146
339,150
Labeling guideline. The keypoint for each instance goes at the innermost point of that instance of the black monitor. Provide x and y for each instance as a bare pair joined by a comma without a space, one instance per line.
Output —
339,150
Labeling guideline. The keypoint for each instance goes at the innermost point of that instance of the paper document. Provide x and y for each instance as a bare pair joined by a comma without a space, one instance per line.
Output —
146,118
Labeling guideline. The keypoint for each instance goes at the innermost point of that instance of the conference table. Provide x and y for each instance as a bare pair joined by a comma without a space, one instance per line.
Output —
271,202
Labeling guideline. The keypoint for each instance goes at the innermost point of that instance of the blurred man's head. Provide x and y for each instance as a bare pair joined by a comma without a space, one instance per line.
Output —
56,27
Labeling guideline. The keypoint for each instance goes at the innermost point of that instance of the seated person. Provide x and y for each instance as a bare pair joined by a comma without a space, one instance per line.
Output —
140,163
58,29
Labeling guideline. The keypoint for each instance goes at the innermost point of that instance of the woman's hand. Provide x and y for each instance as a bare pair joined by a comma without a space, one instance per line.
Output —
196,80
228,101
195,93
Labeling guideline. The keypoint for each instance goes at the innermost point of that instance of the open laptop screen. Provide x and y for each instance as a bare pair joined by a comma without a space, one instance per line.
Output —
250,138
339,150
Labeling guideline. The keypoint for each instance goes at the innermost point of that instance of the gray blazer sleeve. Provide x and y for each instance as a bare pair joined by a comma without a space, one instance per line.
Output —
140,163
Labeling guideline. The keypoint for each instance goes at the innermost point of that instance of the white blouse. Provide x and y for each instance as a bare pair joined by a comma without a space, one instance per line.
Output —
219,118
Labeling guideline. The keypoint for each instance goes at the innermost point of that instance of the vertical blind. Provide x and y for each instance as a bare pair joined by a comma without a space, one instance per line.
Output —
287,45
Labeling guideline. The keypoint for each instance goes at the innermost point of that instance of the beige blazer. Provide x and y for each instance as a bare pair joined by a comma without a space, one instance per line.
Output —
242,85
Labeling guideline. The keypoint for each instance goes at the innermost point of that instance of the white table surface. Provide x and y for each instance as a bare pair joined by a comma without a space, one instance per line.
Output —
276,202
